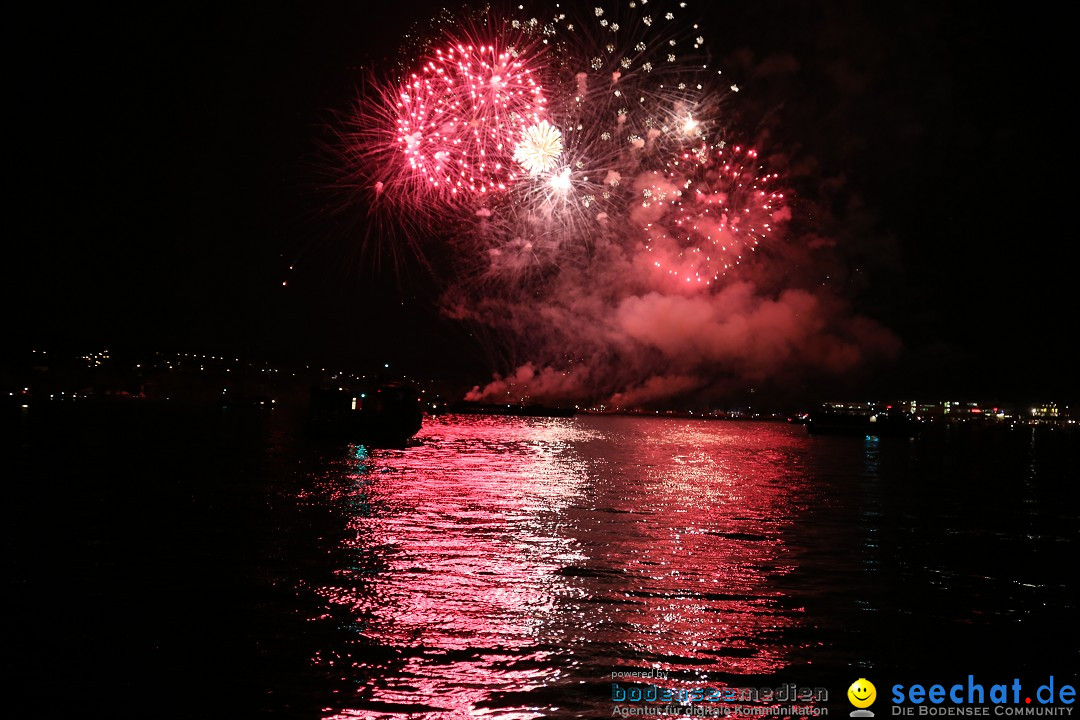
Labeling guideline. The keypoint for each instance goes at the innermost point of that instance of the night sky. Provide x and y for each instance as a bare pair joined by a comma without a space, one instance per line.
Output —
168,172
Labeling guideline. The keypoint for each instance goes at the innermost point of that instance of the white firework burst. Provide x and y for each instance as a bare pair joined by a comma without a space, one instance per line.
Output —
539,148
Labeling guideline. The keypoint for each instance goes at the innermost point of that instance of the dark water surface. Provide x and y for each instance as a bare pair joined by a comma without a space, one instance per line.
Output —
166,563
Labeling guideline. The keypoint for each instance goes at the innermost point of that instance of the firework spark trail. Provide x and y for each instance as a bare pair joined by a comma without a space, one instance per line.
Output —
581,169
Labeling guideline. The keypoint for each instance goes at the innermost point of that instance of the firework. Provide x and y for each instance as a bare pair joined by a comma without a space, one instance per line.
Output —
711,216
530,139
540,146
458,118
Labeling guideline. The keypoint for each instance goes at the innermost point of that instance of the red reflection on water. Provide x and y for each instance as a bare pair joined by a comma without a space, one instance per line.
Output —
505,554
463,525
704,538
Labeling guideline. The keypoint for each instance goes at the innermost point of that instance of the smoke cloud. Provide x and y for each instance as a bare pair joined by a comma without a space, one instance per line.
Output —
617,332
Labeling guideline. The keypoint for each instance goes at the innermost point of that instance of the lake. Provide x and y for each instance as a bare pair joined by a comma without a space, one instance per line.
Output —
208,563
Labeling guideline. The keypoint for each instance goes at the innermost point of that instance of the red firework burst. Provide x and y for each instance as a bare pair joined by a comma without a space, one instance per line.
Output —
708,220
460,117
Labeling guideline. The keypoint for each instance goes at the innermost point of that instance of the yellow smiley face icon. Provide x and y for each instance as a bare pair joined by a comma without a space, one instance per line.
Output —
862,693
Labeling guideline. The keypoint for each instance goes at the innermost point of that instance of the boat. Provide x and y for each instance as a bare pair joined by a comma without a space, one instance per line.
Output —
386,413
